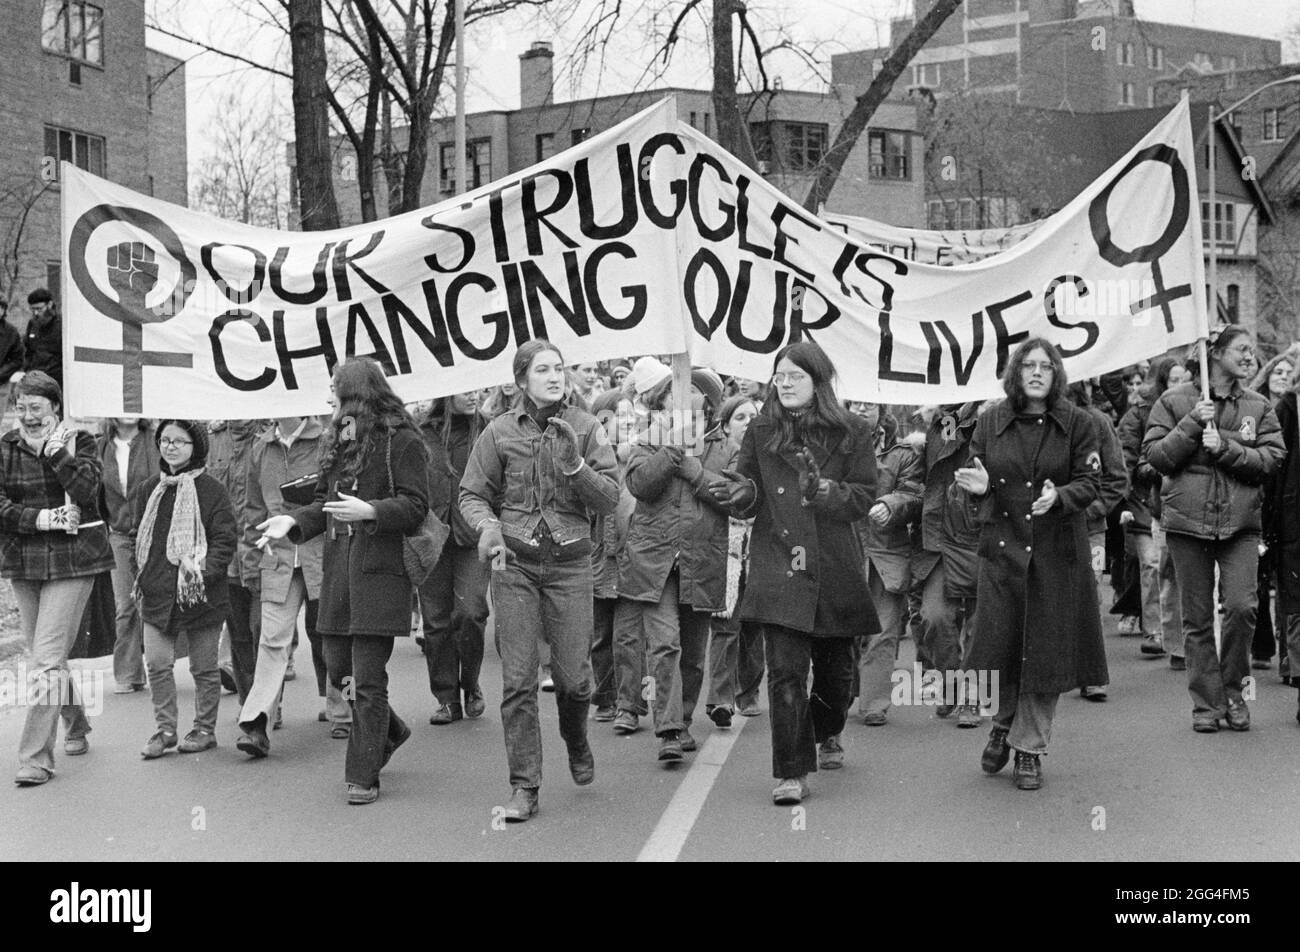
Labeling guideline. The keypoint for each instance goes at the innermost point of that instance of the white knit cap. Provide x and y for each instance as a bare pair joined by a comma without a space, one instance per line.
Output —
647,373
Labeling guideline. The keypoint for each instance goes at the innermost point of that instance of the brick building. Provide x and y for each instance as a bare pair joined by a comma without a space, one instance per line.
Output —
791,132
81,85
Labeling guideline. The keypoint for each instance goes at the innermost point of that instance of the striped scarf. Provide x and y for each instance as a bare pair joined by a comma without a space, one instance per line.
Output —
185,537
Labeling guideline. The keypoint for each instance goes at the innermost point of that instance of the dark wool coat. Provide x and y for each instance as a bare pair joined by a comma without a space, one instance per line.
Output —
365,589
806,565
30,483
158,577
1036,618
1282,510
676,521
1143,498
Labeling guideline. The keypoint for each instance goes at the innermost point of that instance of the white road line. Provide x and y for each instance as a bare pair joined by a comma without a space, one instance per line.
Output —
670,833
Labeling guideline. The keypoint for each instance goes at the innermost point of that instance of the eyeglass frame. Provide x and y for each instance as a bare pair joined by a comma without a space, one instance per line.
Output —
176,444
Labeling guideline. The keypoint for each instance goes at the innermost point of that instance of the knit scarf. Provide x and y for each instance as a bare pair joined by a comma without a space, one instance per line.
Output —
185,537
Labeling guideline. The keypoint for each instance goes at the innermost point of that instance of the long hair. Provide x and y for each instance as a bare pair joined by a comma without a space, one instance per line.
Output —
440,416
825,422
367,410
1290,356
1011,379
1157,379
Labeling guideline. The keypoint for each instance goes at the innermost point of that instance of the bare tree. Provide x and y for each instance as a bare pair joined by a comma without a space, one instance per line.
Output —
242,177
18,198
311,103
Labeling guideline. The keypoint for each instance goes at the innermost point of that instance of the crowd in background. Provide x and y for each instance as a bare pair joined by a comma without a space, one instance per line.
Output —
786,536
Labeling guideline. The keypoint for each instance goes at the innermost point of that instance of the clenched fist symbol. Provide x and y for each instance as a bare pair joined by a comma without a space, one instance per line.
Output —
132,273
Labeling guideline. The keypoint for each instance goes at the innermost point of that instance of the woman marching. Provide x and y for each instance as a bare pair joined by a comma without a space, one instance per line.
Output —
533,480
1035,466
52,554
807,473
373,491
185,539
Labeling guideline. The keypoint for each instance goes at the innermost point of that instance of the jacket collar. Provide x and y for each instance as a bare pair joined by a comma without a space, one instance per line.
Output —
521,410
1059,414
311,431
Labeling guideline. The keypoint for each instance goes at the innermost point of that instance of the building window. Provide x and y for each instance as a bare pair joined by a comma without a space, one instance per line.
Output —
478,165
545,142
889,154
1155,57
1225,223
580,135
1151,97
83,150
1124,54
927,74
54,280
1126,94
1203,61
805,145
1233,302
73,28
1273,125
702,121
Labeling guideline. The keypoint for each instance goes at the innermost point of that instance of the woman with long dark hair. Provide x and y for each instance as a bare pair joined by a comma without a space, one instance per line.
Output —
1035,466
807,473
453,599
373,491
1215,456
534,479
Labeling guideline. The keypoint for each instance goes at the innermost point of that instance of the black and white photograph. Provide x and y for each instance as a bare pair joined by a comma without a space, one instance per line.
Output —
686,431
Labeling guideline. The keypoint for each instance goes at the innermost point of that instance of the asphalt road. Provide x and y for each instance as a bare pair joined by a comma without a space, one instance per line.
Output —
1126,780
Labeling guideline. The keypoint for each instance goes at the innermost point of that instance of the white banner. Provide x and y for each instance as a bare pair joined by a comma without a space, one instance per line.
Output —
1115,276
961,246
169,312
648,238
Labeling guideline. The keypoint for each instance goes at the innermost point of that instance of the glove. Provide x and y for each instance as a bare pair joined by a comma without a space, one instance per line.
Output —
566,446
58,440
490,541
62,519
734,490
690,469
810,474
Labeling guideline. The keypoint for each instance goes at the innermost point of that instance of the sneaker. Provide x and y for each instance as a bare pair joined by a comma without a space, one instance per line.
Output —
830,754
474,704
360,796
548,683
158,745
996,752
789,791
968,715
522,805
721,714
1177,663
76,746
875,718
688,741
289,673
1028,773
670,747
625,722
605,713
29,776
1238,715
1151,646
447,714
197,741
1205,723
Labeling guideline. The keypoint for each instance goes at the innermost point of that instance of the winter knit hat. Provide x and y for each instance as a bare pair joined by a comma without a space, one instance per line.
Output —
40,296
647,373
198,432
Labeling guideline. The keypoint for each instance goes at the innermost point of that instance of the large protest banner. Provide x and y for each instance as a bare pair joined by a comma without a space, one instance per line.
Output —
172,312
928,246
1114,276
648,238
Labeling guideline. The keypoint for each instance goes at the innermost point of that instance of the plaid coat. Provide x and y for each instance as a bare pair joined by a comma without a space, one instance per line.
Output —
28,484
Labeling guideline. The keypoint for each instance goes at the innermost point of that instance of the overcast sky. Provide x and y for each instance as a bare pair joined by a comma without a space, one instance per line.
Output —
824,26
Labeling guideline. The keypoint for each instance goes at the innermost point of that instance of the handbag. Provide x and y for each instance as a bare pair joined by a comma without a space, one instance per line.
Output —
423,547
300,491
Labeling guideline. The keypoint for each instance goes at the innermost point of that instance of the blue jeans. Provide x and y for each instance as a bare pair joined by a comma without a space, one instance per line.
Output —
1215,676
453,605
358,668
128,649
629,658
736,659
1026,717
542,601
676,639
160,655
602,652
879,651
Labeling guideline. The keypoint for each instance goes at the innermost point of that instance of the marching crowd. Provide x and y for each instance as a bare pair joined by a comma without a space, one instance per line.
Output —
640,569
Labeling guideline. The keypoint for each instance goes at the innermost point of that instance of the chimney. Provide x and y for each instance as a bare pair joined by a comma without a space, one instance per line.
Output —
535,81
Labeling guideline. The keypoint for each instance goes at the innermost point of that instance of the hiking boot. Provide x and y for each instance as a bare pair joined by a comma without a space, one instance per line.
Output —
1028,773
790,791
522,805
1205,723
996,752
670,747
625,722
830,754
447,714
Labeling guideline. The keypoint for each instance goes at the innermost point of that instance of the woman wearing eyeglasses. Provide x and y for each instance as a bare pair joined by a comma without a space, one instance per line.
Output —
1035,467
1215,456
807,473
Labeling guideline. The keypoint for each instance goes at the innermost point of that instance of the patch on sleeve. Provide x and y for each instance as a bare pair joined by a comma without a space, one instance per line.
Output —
1247,429
1094,461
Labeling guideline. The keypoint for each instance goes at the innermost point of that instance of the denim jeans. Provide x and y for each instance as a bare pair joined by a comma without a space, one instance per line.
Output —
942,637
160,655
736,659
128,649
358,668
801,721
1027,717
879,651
1215,676
337,710
629,658
243,631
676,640
453,605
602,652
1171,608
50,613
544,601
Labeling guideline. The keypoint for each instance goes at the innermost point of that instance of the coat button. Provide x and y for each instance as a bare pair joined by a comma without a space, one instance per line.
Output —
1001,542
1002,482
784,533
1028,516
789,574
1029,548
1005,515
780,490
1029,485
